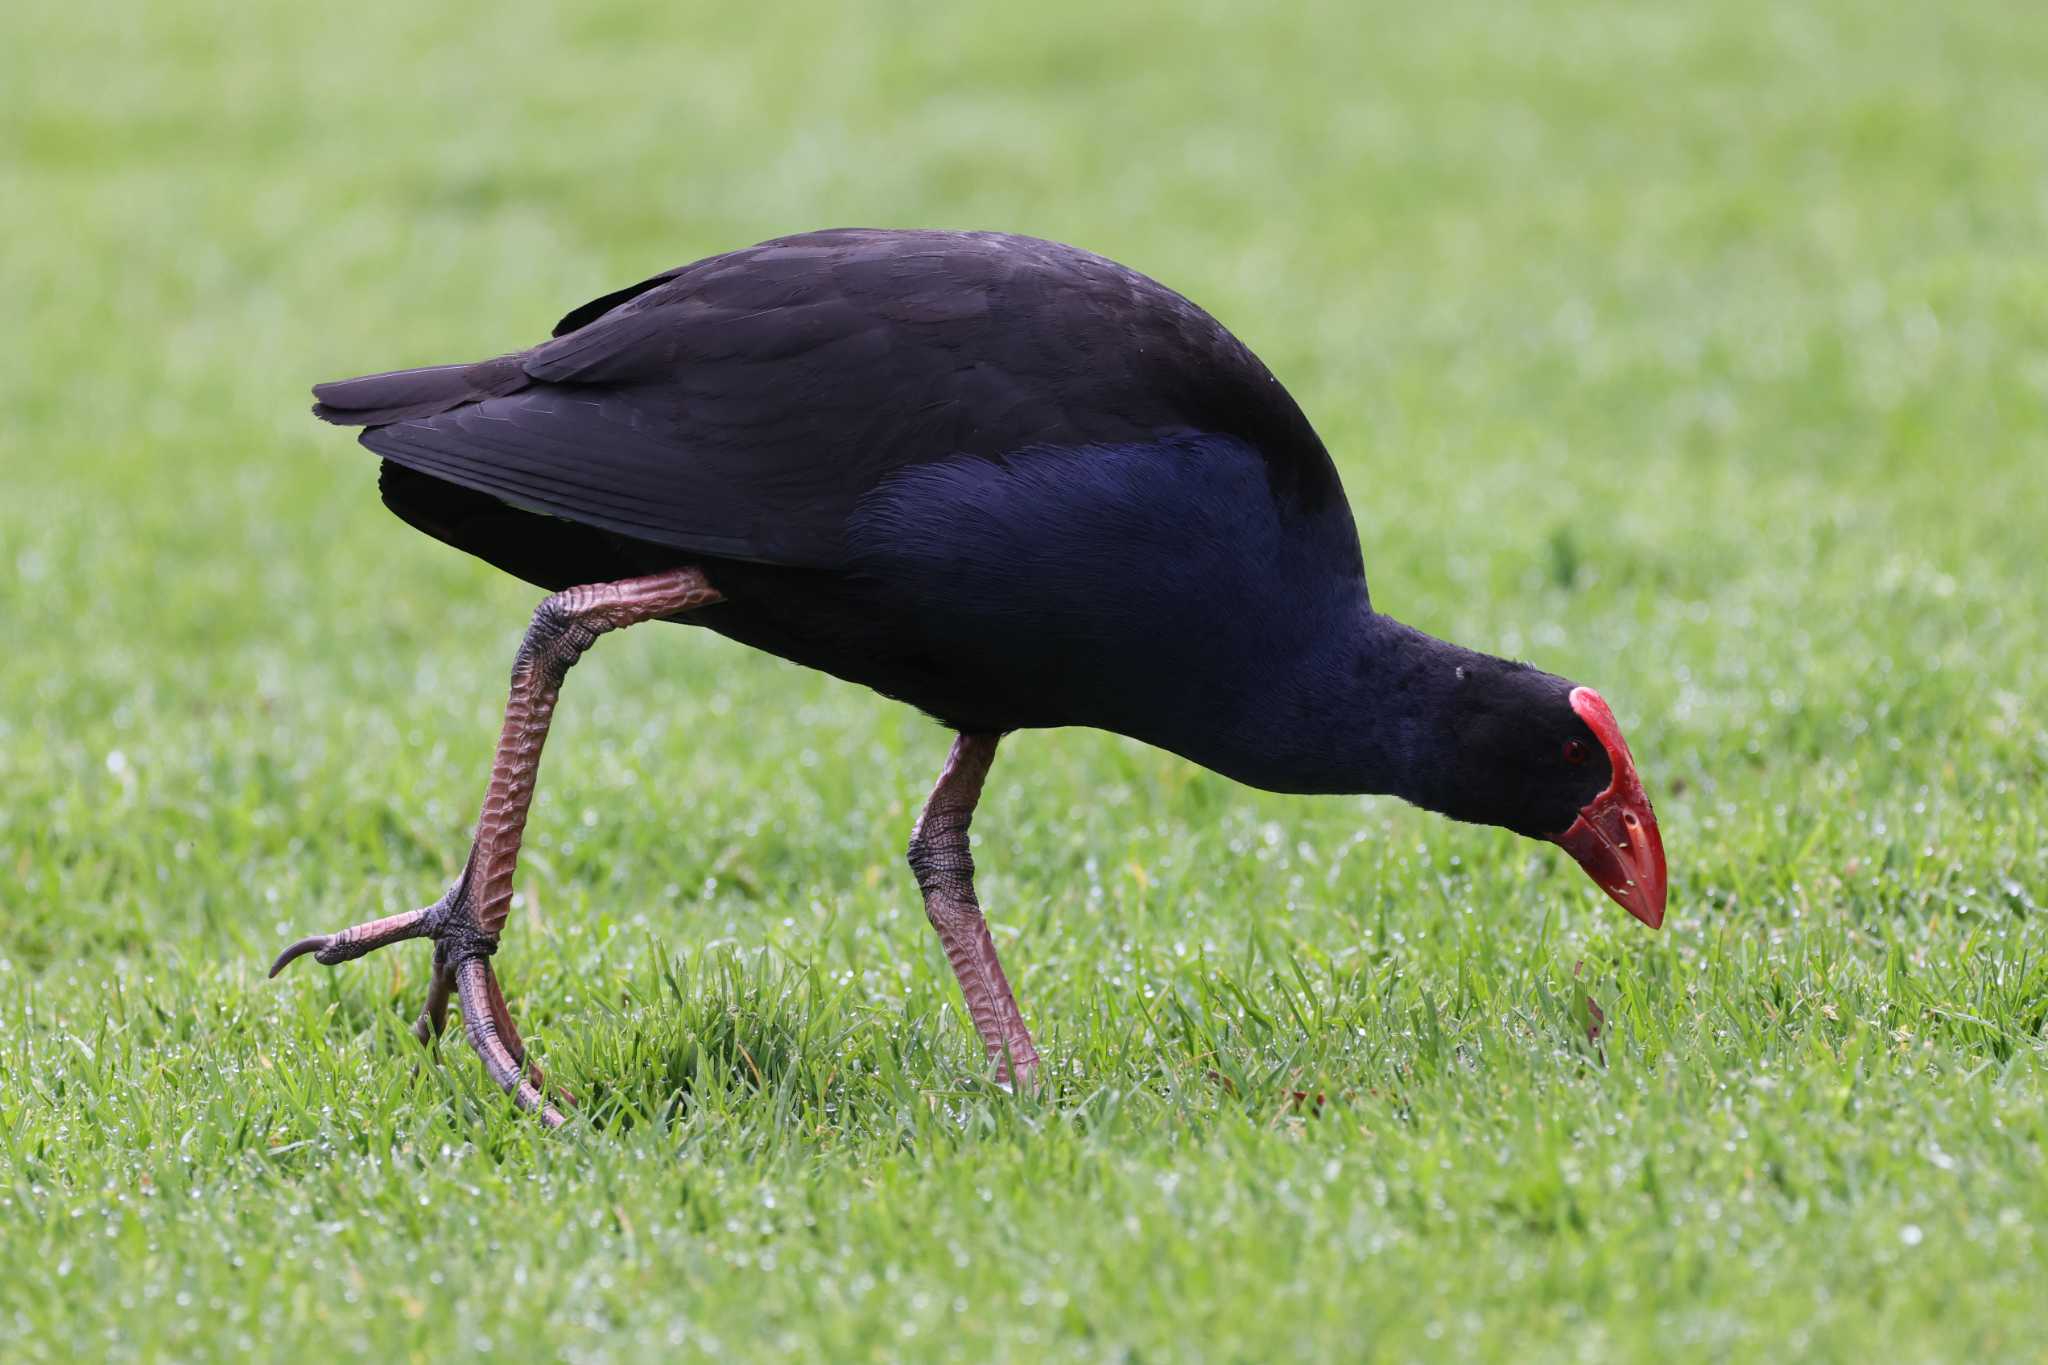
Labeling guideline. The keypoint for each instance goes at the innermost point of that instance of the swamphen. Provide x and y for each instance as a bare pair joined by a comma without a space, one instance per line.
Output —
1011,483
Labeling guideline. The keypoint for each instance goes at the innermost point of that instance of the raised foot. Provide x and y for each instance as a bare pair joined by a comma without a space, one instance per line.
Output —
462,968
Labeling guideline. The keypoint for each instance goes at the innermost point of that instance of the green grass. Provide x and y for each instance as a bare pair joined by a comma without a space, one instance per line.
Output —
1697,352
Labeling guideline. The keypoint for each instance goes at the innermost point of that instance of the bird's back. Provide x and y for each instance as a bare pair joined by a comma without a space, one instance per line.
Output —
744,405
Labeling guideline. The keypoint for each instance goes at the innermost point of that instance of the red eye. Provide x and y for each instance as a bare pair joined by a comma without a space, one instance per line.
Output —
1576,752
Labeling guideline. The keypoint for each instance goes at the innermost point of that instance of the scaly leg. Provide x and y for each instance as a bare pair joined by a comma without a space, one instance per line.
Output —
945,874
465,922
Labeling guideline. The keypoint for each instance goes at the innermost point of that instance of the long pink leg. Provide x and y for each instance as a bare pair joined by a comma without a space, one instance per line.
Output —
465,922
945,874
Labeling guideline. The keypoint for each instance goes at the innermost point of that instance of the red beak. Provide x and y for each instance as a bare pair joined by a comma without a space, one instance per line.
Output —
1615,837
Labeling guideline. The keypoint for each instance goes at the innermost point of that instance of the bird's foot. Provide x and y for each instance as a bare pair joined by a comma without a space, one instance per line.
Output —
1017,1069
462,969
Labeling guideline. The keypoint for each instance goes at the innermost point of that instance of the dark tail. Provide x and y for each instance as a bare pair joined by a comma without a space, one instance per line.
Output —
401,395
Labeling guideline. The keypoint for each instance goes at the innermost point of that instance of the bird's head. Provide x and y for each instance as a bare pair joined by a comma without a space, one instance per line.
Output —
1535,754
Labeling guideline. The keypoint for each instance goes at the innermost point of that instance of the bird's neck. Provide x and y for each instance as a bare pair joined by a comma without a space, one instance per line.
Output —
1361,707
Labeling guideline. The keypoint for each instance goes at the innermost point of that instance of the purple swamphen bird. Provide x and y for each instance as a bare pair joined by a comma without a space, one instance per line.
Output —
1011,483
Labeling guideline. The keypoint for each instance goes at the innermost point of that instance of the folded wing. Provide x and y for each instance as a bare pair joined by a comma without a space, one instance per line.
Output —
742,406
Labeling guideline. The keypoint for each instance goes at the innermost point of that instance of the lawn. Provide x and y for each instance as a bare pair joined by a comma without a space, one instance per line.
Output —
1697,352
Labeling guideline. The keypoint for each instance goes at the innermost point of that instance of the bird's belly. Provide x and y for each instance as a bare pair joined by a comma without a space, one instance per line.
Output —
972,672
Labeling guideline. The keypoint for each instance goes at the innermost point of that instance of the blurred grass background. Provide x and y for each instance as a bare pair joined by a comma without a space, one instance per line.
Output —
1696,352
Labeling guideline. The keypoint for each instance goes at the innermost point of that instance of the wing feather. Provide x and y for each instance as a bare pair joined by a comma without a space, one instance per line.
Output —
744,405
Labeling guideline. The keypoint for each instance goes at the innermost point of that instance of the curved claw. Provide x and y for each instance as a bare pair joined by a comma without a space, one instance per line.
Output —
313,943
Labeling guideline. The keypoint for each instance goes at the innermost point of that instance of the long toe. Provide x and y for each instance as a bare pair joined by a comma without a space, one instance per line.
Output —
433,1020
358,939
489,1026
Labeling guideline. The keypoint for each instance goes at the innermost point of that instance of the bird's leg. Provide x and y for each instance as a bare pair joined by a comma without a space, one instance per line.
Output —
466,921
945,874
